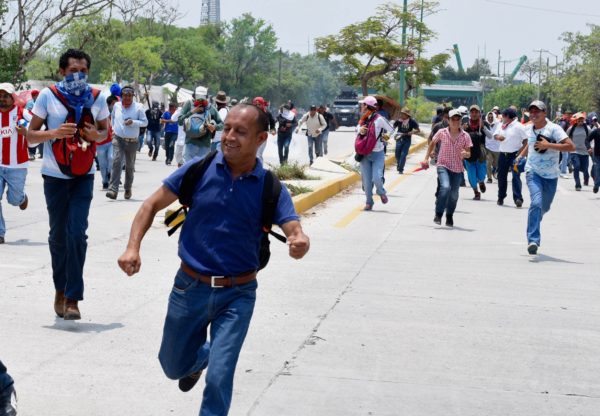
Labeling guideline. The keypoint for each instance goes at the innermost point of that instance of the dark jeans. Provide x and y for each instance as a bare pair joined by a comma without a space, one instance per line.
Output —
447,196
581,163
402,148
317,143
68,202
505,164
154,142
283,147
39,148
6,393
123,150
193,308
170,139
596,171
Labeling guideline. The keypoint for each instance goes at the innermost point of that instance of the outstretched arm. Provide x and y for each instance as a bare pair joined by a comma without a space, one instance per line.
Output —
130,261
298,241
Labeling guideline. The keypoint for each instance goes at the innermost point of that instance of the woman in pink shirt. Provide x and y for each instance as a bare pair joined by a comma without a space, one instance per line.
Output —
455,146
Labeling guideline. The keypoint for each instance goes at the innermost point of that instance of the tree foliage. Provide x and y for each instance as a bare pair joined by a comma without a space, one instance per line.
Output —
517,95
371,49
480,67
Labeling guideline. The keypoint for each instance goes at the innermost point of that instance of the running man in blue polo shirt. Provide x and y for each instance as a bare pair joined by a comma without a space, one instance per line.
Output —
220,237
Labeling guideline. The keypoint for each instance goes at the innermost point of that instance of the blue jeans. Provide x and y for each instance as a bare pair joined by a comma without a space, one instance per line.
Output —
14,180
324,138
184,350
371,170
154,142
105,160
476,172
68,202
317,143
170,139
192,150
141,141
505,164
596,171
402,148
581,163
542,193
564,162
283,147
447,197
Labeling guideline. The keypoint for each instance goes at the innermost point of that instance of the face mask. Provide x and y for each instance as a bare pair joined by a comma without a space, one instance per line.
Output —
76,83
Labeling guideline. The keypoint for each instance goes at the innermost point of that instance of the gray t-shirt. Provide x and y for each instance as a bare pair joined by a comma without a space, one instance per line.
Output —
579,136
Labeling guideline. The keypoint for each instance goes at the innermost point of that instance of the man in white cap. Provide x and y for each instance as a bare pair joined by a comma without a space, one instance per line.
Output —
14,157
545,141
200,121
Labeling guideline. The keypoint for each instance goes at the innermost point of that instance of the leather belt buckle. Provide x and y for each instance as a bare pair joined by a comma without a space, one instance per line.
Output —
213,284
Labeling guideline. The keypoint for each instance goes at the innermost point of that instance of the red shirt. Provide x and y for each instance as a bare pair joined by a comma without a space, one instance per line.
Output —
13,146
449,154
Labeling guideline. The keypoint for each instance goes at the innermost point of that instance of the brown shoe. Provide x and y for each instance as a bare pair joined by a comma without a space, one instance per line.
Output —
59,303
128,194
71,310
24,204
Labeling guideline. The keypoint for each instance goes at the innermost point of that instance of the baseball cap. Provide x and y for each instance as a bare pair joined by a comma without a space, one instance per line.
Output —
313,107
475,107
496,108
369,100
538,104
454,112
462,109
8,87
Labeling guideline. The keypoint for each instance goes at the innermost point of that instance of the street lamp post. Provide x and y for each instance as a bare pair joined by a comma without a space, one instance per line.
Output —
402,66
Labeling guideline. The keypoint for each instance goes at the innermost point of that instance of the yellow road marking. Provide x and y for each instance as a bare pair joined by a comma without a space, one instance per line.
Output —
344,222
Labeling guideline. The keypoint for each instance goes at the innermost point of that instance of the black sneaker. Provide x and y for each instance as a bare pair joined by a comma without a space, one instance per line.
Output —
519,203
449,221
111,194
482,187
532,248
188,382
595,189
437,219
500,201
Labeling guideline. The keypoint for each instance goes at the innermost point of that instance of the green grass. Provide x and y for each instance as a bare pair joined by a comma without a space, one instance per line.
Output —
292,171
297,189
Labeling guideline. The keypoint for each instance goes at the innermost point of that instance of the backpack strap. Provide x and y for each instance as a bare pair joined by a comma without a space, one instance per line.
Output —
60,97
186,191
270,199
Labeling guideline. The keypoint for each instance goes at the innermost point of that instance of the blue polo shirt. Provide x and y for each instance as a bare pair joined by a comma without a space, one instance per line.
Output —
170,127
221,234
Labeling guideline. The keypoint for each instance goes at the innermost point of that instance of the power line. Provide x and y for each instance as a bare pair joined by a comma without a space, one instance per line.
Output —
542,9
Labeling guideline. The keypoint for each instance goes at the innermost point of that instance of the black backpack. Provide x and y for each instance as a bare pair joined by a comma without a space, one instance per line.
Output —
571,130
270,198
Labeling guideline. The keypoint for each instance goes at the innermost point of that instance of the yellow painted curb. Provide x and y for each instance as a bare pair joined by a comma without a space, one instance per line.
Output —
306,201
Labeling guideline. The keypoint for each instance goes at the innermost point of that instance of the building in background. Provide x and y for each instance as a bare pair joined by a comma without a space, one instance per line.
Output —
210,12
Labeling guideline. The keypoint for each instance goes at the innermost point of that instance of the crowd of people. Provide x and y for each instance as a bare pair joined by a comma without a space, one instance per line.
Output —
217,144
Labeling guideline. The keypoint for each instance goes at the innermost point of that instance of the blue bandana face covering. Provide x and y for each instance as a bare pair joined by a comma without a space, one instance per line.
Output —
75,84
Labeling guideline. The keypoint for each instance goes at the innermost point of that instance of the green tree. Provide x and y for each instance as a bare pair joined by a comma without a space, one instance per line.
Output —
141,59
517,95
249,51
372,48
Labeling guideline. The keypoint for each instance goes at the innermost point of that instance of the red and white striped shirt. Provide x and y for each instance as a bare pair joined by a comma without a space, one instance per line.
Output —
449,154
13,146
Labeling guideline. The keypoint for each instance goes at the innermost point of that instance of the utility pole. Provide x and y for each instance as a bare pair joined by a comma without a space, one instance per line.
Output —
279,77
499,58
402,66
539,72
420,45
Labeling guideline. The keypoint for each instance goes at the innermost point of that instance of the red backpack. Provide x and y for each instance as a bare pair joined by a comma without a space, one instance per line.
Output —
74,155
364,145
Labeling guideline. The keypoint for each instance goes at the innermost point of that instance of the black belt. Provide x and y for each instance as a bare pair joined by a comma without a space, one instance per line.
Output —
510,153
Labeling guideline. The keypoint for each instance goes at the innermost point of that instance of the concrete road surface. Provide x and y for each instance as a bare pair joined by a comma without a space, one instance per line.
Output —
387,315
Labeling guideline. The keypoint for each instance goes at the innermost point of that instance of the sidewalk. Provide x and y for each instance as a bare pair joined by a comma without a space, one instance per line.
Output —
387,315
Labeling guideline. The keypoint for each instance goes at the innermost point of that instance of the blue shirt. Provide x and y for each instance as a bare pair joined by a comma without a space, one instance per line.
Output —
544,164
170,127
222,231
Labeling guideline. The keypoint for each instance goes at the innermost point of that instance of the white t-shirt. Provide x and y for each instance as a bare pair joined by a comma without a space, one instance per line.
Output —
50,109
544,164
180,131
513,134
223,114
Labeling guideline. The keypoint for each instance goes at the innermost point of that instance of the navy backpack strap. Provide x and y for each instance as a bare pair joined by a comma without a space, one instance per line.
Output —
271,192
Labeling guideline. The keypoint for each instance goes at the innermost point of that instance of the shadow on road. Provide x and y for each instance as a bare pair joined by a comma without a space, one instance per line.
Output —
540,258
26,242
83,327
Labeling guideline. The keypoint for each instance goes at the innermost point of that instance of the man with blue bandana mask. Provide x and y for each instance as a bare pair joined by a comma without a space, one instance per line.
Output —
68,198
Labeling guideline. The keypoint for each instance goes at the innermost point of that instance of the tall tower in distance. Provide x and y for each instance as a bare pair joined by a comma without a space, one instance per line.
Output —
210,12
